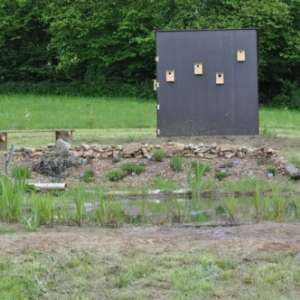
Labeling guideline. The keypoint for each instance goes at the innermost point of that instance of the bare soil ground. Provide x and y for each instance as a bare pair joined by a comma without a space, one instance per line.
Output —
246,241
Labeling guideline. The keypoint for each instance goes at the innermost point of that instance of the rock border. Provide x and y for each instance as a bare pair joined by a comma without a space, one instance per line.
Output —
140,151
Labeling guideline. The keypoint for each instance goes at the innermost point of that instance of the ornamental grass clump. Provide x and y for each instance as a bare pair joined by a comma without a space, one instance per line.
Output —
132,168
199,168
221,175
88,176
176,163
11,200
158,155
115,174
20,174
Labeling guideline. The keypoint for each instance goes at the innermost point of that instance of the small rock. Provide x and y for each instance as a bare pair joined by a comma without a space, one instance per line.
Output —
131,148
60,144
85,147
229,154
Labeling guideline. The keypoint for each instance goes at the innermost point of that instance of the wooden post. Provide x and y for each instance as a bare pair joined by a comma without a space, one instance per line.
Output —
3,141
64,135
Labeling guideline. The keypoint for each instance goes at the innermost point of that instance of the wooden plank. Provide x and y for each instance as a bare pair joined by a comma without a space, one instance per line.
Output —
33,130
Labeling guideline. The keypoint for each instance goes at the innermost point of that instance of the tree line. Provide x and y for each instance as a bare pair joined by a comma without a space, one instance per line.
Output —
107,47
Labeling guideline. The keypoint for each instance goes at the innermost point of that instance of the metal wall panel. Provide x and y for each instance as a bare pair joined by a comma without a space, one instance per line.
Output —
192,104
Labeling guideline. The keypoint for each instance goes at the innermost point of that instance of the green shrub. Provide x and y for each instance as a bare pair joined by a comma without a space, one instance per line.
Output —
199,168
158,155
176,163
272,170
130,168
21,173
221,175
88,176
115,174
116,159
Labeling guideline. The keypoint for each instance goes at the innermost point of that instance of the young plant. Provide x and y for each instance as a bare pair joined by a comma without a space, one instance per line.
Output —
221,175
176,163
88,176
130,168
178,213
277,205
20,174
79,205
11,200
257,201
108,213
272,170
230,206
158,155
116,159
164,184
115,174
199,169
42,209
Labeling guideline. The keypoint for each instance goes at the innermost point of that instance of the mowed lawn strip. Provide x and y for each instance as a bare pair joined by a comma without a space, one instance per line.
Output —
56,112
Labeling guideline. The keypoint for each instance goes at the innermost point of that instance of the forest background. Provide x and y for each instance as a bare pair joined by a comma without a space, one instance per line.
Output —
107,48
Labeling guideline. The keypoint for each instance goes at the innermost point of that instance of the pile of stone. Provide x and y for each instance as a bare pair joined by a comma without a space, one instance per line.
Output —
49,160
138,150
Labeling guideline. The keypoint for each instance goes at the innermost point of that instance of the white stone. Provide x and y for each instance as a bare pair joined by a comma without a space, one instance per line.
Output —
85,147
60,144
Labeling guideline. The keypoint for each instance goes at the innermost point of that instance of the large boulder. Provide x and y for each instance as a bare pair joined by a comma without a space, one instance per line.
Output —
131,148
172,148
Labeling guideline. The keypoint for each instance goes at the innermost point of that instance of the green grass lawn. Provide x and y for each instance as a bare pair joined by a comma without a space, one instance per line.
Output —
283,122
57,112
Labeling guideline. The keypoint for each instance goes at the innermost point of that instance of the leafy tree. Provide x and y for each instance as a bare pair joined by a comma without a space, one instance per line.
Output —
23,41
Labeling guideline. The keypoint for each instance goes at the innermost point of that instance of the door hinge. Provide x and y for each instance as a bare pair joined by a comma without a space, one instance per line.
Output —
155,85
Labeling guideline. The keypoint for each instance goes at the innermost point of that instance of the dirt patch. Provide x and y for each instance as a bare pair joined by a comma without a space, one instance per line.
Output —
247,241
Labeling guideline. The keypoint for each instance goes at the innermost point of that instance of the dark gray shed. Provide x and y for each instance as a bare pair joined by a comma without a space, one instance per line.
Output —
207,82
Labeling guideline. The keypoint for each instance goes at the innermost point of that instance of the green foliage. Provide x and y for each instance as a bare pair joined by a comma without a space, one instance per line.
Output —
116,159
199,168
158,155
221,175
49,112
88,176
21,173
176,163
105,47
230,206
108,213
272,170
130,168
115,174
11,200
268,132
164,184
